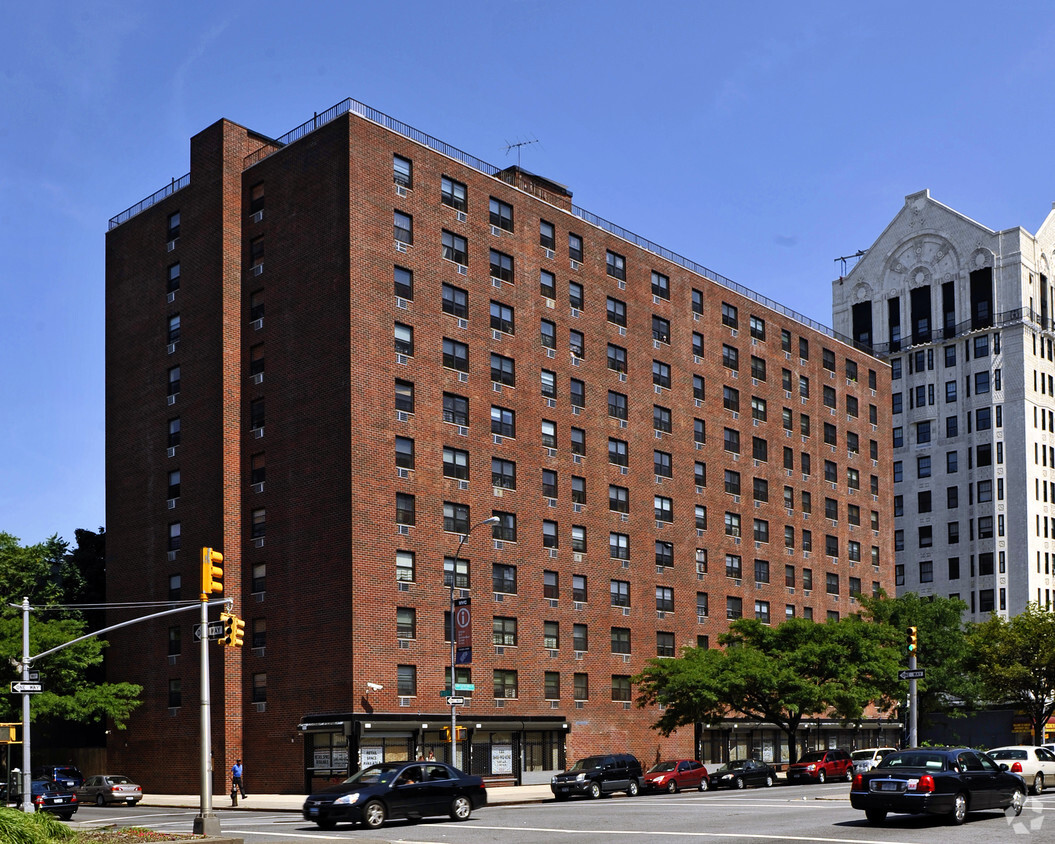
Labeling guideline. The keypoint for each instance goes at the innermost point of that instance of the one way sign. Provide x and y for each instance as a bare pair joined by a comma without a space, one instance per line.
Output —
20,688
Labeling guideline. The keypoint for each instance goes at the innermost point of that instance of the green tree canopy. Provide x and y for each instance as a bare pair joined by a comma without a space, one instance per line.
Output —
51,579
782,675
1014,660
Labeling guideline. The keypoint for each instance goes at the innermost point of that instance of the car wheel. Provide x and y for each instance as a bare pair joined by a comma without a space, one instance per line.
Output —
326,823
373,814
594,791
632,789
739,782
100,800
461,808
875,816
1038,783
705,784
959,809
821,777
769,780
1018,800
672,787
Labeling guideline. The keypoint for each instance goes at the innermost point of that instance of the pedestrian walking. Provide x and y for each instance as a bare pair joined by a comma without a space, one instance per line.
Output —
236,778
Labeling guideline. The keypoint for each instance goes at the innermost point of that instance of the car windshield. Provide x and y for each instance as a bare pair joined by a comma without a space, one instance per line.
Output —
1009,754
816,756
859,755
663,766
67,772
588,764
732,765
375,774
914,759
120,781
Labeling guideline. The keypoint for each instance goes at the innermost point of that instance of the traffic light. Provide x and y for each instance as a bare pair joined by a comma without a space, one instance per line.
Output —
912,640
210,572
233,630
459,733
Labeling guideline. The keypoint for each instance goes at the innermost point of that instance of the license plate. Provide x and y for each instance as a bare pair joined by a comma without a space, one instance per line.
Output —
888,786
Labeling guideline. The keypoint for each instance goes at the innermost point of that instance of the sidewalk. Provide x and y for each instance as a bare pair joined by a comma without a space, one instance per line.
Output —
496,795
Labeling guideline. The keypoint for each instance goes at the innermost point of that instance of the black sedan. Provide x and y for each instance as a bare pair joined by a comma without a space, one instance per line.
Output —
410,790
740,773
940,781
49,796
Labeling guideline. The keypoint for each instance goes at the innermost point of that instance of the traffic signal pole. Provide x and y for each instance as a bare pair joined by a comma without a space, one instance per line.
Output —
206,822
913,699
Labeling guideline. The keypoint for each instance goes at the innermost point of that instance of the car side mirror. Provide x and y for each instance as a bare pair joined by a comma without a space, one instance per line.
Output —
1004,766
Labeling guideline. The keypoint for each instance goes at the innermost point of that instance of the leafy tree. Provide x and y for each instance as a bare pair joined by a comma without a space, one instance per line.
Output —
949,688
1015,662
782,675
49,577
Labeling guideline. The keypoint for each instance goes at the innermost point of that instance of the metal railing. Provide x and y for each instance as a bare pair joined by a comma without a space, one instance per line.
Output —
157,196
961,329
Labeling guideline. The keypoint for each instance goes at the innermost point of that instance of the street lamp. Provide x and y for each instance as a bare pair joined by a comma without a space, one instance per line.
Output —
494,520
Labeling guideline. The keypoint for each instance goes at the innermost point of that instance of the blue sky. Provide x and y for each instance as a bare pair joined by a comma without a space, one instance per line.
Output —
760,139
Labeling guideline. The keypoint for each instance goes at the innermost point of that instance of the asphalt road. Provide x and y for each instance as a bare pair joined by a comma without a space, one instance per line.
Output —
781,814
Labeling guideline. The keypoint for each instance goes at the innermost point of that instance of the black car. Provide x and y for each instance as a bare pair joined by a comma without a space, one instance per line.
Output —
397,790
740,773
64,775
50,796
600,774
941,781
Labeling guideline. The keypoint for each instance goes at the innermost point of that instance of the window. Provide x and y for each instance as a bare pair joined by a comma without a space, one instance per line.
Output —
619,546
174,381
616,358
173,226
504,631
404,452
734,607
453,193
618,499
405,509
578,490
617,406
660,329
804,351
732,441
549,384
455,409
174,484
547,235
701,517
455,355
733,566
504,578
175,641
577,389
761,571
617,452
831,583
501,266
699,431
455,301
404,339
758,327
698,387
575,295
664,508
175,696
661,419
662,464
174,433
550,580
660,285
702,604
762,611
660,374
506,528
578,539
501,214
732,482
697,344
761,530
459,570
547,283
257,469
664,599
730,357
549,433
729,315
574,247
760,449
581,686
758,368
828,397
615,311
620,593
664,644
578,593
578,441
406,623
502,318
621,687
455,248
404,566
503,370
405,396
258,523
804,387
620,640
616,265
760,489
173,278
731,399
455,517
700,473
402,226
174,329
550,537
505,682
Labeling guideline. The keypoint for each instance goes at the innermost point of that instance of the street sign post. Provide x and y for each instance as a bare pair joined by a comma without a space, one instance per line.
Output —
912,674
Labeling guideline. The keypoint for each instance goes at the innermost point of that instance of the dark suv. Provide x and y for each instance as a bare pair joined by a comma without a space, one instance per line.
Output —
822,765
65,775
597,775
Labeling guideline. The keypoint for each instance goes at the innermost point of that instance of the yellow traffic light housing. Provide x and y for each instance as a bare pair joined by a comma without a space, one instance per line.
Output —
210,572
237,632
913,640
233,630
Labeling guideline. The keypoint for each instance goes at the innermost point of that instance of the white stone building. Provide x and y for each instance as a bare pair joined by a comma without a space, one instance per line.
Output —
964,316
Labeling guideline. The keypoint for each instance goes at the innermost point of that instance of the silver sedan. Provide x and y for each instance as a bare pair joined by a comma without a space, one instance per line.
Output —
109,788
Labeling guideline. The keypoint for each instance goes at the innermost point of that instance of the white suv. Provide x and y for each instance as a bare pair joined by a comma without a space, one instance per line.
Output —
865,760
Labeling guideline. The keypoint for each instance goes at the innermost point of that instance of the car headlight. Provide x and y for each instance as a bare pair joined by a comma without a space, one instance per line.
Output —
580,777
727,776
811,767
658,780
347,799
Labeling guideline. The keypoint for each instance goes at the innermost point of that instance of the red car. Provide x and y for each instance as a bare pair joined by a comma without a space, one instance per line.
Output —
677,774
822,765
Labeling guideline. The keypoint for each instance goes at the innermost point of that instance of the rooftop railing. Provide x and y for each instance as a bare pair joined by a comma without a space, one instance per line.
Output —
143,205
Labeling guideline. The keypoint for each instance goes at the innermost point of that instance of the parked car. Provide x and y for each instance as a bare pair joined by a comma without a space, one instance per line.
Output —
940,781
600,774
50,796
109,788
740,773
1036,765
397,790
865,760
66,775
675,775
821,765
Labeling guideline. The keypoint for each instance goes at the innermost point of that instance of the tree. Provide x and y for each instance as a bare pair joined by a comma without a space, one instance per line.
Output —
1015,662
49,577
782,675
949,688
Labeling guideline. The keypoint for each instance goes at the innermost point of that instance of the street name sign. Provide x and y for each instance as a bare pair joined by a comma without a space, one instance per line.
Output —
20,688
912,674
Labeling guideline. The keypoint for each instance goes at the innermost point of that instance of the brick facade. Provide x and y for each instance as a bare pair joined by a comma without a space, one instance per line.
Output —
311,333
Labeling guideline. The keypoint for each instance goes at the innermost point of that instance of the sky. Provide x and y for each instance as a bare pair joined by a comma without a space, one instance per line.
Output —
762,140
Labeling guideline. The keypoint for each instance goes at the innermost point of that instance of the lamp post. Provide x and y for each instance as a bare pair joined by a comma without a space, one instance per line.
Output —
494,520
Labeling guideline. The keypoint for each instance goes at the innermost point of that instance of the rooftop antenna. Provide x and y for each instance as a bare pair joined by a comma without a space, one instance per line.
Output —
844,258
517,147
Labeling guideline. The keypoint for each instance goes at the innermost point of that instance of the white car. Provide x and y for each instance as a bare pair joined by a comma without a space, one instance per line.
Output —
1036,765
865,760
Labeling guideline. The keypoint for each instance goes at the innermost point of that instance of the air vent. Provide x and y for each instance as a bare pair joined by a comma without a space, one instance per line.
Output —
463,270
172,659
403,530
575,265
463,431
258,433
551,254
402,303
462,217
403,586
463,484
463,377
257,217
402,416
576,458
256,269
257,378
401,247
170,452
172,400
402,473
622,284
171,504
404,643
258,542
497,232
170,245
171,297
257,324
172,556
401,191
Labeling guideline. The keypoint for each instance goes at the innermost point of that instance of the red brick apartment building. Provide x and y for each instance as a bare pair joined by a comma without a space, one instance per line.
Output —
331,355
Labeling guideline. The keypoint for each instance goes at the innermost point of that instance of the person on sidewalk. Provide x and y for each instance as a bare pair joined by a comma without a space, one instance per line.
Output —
236,778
